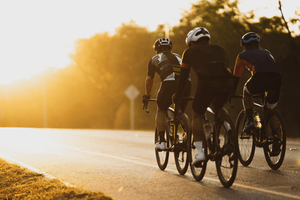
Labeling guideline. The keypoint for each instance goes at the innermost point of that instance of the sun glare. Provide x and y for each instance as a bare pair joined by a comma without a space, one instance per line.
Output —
36,35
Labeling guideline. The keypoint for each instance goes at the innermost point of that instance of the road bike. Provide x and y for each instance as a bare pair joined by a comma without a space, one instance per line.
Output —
176,137
268,133
220,146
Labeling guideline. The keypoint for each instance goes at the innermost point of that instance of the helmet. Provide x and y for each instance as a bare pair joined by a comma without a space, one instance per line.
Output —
162,43
249,37
195,34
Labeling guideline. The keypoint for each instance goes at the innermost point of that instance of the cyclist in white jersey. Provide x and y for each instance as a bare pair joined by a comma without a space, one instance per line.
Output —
164,63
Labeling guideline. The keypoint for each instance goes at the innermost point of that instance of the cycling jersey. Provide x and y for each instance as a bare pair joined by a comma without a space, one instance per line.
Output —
207,60
166,64
163,64
255,60
210,63
166,91
266,74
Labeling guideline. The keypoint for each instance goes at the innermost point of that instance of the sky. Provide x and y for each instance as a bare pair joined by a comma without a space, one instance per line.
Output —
38,34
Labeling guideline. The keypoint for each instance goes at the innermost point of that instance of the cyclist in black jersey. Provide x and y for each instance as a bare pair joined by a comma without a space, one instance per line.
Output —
210,63
266,75
165,64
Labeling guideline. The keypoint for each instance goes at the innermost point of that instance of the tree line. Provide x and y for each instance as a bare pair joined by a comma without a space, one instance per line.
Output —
89,93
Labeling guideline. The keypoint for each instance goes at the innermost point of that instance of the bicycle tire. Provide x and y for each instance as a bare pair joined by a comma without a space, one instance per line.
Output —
197,172
274,118
226,145
162,157
180,151
246,145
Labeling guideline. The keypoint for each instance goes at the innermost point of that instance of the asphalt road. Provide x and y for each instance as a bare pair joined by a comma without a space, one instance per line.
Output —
122,164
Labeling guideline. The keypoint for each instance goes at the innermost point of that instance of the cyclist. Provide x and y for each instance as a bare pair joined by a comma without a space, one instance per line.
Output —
163,63
210,63
266,75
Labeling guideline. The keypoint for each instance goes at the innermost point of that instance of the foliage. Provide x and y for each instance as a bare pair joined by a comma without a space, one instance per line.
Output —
90,92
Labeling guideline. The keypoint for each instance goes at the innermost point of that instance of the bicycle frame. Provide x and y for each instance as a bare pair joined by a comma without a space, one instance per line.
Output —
259,133
174,118
221,148
177,111
271,135
214,151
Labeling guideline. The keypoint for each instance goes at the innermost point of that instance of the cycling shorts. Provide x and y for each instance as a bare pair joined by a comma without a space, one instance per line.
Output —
166,91
211,92
262,82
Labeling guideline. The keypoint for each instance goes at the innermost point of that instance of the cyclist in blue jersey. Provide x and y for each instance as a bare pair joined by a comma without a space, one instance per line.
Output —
164,63
266,75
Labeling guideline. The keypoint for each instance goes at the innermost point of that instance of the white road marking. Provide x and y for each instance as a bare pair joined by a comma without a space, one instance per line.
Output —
33,169
175,171
140,163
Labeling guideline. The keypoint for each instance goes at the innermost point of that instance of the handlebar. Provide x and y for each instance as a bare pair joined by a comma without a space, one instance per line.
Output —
145,106
238,96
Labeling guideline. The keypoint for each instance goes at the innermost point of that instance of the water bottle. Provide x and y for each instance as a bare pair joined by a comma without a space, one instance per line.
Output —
257,122
171,129
208,129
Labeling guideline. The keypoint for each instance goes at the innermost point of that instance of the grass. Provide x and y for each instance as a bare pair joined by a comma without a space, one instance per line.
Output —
20,183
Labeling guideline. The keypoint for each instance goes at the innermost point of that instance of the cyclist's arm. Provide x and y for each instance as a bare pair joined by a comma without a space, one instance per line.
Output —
150,77
270,54
237,72
184,74
149,85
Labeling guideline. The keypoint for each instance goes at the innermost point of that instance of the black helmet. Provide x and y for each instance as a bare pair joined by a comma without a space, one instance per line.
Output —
249,37
162,43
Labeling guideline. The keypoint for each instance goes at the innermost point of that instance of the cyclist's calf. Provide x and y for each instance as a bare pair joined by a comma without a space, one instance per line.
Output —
197,127
161,119
271,99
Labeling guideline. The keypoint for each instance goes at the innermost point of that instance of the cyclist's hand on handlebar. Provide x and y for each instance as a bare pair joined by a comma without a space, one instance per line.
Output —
145,98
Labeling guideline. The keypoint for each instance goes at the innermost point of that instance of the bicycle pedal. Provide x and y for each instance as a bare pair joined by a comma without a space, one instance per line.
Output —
274,154
211,156
243,137
171,149
262,143
198,164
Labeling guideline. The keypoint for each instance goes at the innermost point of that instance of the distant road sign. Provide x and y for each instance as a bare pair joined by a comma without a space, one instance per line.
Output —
132,92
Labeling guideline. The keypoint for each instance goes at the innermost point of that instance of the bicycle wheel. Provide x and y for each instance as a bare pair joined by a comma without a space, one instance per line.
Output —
274,149
198,172
162,157
180,151
246,146
226,145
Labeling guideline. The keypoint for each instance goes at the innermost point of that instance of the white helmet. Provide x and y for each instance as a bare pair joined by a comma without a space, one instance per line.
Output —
195,34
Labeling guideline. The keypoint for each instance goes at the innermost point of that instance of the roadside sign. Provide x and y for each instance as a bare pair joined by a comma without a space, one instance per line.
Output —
132,92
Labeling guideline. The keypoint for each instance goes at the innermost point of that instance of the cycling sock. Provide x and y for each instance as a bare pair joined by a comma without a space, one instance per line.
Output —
249,113
162,136
198,145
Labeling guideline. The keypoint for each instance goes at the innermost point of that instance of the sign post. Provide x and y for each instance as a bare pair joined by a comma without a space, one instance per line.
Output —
132,92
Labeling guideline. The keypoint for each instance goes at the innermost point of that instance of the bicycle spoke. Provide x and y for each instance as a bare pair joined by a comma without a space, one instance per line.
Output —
246,147
227,159
275,149
162,157
180,150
